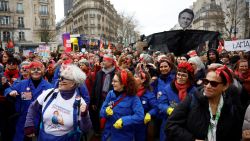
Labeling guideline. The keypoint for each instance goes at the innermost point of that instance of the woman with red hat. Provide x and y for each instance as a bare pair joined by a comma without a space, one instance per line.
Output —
175,92
25,92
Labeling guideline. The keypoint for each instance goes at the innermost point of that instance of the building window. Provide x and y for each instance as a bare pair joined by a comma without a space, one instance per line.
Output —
21,36
19,8
92,31
92,21
20,22
5,20
44,10
4,5
6,36
44,23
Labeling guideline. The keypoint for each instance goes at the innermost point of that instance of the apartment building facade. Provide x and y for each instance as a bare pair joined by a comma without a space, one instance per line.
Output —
25,22
93,18
230,17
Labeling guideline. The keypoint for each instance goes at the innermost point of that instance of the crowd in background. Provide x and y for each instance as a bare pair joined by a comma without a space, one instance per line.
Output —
127,95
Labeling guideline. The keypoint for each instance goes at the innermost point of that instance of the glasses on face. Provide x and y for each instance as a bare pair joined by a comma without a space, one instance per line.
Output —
115,81
24,69
35,69
212,83
182,74
61,78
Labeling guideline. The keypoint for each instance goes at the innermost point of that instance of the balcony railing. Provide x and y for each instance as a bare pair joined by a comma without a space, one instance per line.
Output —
20,25
21,39
44,13
4,9
6,26
44,26
19,11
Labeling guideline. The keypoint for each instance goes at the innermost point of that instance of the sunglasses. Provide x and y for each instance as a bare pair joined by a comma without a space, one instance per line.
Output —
61,78
212,83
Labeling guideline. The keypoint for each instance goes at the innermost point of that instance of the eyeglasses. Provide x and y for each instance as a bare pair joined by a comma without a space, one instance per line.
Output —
115,81
182,74
61,78
24,69
212,83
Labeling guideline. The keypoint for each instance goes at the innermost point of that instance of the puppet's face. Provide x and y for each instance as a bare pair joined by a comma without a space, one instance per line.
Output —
185,19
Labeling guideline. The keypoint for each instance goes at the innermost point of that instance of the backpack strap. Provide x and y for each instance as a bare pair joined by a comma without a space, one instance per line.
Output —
47,96
76,111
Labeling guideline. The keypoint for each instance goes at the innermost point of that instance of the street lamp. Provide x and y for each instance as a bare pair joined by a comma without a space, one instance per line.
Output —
235,22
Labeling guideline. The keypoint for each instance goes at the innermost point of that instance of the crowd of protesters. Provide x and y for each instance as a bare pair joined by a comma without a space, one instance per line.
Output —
125,95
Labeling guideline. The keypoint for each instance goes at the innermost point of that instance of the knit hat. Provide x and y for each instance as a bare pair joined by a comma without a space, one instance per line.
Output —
25,63
74,73
197,61
84,61
186,66
146,58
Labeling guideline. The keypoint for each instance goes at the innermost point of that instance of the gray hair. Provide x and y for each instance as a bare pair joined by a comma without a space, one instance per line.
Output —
74,73
197,60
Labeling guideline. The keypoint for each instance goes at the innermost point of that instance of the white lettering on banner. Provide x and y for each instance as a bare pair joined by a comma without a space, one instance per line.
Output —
68,42
238,45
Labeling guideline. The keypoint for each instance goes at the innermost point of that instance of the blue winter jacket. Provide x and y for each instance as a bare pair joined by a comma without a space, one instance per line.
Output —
23,105
159,84
131,112
169,98
149,103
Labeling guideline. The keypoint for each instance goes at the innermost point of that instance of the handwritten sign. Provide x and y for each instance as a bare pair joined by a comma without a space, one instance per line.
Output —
43,51
237,45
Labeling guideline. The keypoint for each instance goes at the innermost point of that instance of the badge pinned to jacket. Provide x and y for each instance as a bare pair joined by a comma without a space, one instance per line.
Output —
159,94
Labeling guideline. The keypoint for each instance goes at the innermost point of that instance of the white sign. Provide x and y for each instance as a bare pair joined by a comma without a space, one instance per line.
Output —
26,52
237,45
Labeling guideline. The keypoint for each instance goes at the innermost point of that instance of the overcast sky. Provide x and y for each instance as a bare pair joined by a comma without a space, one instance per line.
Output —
153,16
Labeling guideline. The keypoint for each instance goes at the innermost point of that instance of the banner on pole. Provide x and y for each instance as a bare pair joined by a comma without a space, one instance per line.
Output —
66,42
238,45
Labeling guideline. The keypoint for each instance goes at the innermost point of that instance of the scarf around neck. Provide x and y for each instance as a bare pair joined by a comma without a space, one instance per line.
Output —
182,89
141,91
67,94
107,78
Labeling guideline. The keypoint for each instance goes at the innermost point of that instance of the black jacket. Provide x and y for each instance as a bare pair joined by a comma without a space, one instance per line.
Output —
190,119
96,96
